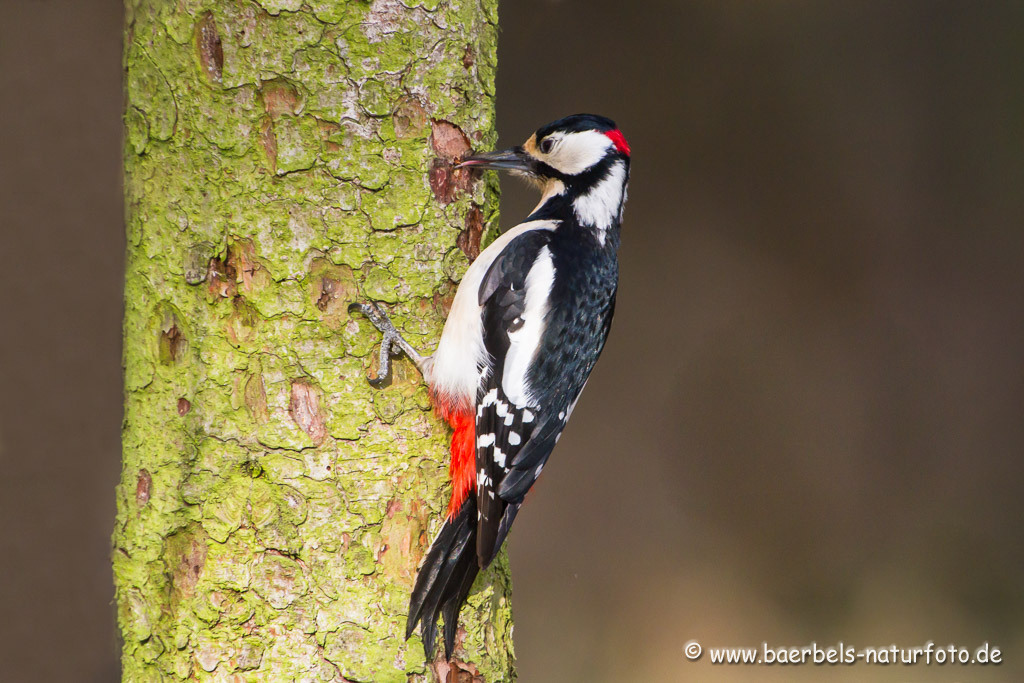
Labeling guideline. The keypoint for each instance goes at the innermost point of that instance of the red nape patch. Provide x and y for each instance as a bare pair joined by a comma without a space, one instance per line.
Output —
463,462
619,139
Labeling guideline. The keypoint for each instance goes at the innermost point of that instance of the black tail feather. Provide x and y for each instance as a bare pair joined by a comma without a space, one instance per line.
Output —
428,573
443,590
445,579
507,518
468,569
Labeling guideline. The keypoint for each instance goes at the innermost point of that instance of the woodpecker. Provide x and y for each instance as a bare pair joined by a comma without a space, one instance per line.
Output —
526,327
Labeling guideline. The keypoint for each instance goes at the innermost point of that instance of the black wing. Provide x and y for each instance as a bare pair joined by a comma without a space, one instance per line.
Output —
561,338
582,303
503,427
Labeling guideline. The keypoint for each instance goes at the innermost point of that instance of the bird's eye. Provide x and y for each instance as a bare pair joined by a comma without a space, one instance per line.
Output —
546,144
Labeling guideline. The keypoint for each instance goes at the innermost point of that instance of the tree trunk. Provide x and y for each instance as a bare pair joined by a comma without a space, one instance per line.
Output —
283,158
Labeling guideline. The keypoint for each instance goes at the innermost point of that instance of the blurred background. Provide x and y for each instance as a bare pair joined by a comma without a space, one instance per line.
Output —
808,424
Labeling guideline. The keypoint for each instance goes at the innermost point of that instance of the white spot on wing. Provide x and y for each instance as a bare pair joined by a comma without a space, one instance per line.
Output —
499,457
484,440
527,417
514,439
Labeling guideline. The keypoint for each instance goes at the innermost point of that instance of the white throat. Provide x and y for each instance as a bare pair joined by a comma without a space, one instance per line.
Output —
553,188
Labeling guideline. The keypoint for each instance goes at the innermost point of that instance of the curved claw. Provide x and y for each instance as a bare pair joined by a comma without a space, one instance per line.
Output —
383,377
391,344
373,314
381,322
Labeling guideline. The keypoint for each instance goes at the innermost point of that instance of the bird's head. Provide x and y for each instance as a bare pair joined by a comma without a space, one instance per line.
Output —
574,157
569,150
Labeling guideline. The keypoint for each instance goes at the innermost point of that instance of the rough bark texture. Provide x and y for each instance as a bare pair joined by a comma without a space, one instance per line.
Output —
284,158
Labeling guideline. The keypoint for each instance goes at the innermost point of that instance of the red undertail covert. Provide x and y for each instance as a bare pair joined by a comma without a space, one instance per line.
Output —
463,462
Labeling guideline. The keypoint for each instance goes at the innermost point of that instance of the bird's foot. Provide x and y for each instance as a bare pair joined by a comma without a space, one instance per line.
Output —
392,343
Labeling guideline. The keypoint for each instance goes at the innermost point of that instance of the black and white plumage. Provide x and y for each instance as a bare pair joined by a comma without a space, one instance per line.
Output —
527,325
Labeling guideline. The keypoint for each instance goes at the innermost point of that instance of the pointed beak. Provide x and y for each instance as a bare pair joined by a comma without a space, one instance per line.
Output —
514,159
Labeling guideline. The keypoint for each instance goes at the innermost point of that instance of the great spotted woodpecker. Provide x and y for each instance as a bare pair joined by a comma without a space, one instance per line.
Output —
527,324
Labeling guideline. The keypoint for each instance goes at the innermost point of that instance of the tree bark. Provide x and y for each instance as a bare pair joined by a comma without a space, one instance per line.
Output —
282,159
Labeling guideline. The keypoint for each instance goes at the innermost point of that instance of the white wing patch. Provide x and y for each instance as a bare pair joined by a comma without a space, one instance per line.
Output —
461,362
523,343
601,206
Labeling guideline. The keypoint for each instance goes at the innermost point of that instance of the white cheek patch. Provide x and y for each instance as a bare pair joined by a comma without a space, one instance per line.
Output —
603,204
576,152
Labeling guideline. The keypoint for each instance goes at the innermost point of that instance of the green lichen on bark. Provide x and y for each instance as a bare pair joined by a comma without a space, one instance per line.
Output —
281,160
